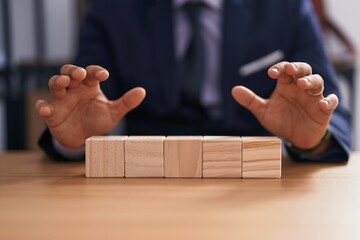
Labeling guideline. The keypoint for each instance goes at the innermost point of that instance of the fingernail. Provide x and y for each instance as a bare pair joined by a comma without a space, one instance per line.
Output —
326,101
101,72
275,70
44,110
308,80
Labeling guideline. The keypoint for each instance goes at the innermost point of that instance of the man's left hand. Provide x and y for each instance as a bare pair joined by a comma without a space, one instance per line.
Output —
296,110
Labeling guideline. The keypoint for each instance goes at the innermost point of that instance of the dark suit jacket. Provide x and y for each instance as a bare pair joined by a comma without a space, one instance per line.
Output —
133,39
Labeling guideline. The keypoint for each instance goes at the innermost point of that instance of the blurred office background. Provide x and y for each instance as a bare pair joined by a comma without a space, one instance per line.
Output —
38,36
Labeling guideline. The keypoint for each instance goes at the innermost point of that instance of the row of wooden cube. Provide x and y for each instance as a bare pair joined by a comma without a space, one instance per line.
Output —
183,156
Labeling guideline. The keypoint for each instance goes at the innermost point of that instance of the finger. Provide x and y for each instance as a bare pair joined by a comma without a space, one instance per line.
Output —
329,104
298,69
313,84
248,99
74,72
277,71
95,74
43,108
129,101
58,85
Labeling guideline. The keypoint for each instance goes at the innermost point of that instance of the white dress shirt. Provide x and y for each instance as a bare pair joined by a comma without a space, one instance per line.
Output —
210,21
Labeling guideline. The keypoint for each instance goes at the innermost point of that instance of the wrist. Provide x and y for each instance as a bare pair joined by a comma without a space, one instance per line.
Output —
320,148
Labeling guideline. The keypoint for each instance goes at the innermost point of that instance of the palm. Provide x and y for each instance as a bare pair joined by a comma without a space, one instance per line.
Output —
80,109
289,108
84,112
291,111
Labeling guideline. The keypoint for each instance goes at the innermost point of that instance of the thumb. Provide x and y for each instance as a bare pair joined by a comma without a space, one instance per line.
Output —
248,99
129,101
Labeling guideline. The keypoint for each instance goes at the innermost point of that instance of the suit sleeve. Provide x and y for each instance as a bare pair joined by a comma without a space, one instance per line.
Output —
46,144
310,48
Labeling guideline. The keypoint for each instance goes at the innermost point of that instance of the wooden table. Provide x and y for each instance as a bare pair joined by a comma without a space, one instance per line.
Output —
42,199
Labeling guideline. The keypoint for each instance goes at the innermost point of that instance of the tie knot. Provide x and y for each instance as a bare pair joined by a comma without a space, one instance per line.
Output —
193,9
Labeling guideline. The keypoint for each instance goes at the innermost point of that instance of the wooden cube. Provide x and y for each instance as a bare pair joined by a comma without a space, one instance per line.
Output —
144,156
104,156
183,156
261,157
221,157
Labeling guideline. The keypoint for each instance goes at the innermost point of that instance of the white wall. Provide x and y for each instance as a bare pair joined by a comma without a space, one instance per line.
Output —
346,14
59,29
22,28
61,34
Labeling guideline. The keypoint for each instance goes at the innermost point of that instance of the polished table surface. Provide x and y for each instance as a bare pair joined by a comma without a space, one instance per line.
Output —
43,199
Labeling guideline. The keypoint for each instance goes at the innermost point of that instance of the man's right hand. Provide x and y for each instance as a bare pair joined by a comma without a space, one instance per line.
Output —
79,108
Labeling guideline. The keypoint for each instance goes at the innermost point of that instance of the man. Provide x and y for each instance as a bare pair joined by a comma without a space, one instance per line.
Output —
143,45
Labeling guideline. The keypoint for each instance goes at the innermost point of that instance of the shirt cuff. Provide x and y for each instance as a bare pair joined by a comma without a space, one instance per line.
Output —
336,154
69,153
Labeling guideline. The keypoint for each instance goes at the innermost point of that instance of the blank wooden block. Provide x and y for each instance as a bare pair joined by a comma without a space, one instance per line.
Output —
105,156
144,156
261,157
183,156
221,157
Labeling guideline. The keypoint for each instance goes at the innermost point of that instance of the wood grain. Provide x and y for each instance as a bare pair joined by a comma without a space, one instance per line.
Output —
222,157
261,157
144,156
105,156
43,199
183,156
